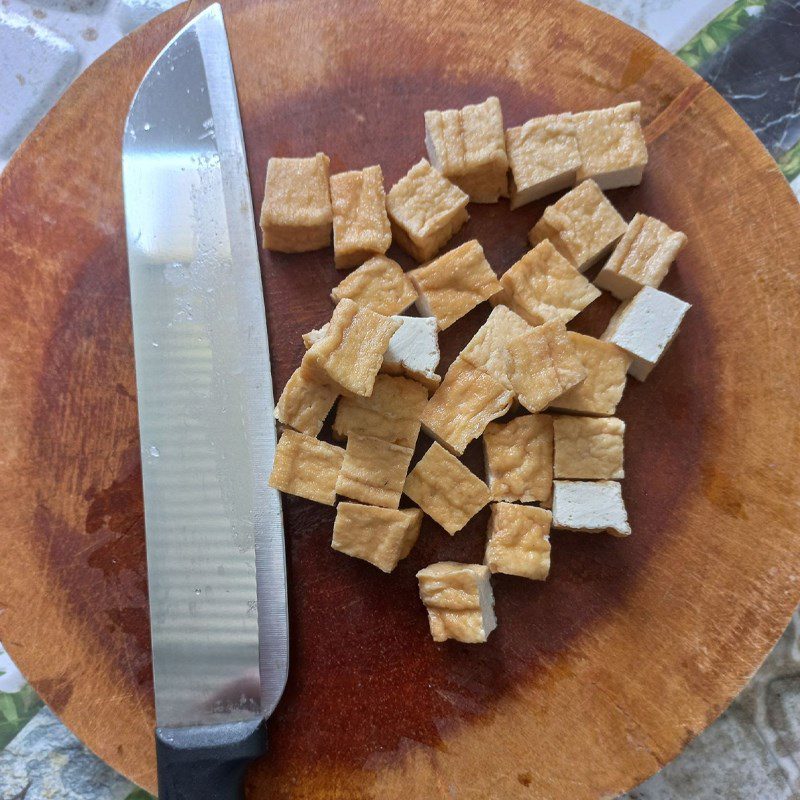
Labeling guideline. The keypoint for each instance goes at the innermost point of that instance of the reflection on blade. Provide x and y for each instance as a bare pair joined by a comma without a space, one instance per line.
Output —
214,531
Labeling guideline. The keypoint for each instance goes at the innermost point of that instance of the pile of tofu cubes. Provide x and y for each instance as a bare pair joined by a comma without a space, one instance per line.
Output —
556,464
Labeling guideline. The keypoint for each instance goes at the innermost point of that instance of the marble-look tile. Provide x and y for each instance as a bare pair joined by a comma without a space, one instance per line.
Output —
46,762
670,22
28,89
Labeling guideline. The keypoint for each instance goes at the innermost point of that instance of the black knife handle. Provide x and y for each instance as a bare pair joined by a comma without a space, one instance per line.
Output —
207,762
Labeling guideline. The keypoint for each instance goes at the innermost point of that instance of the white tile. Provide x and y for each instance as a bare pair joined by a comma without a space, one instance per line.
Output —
30,86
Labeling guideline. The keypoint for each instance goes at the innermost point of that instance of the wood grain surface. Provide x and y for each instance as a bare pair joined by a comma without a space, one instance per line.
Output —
593,679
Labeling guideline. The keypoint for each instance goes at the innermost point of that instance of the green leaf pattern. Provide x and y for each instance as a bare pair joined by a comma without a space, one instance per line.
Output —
16,710
720,31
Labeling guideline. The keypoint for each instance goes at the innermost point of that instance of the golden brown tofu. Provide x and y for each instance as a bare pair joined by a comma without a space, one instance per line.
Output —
360,224
459,601
467,400
391,413
612,147
601,391
307,467
543,285
305,402
487,350
467,146
519,541
379,285
373,471
582,225
382,536
445,489
588,448
519,459
542,365
425,210
544,157
642,257
453,284
296,215
351,350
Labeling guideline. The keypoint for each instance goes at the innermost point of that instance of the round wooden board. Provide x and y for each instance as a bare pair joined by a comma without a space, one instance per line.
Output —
593,679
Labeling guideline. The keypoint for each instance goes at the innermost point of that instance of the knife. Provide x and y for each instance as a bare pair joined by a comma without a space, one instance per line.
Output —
214,532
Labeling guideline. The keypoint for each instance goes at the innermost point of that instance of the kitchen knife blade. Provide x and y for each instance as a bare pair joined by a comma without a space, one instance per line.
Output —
214,531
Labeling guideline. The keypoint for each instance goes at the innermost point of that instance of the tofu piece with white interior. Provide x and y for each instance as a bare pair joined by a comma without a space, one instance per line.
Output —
425,210
590,506
612,146
453,284
350,352
543,156
644,327
582,225
414,351
459,601
468,147
641,258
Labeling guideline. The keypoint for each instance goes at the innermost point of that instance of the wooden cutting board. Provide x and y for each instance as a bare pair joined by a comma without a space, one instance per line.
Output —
593,679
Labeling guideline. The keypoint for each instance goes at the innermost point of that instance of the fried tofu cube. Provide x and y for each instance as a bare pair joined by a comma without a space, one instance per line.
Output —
543,286
590,506
380,285
445,489
459,601
487,350
382,536
351,351
296,215
453,284
414,351
642,257
542,364
467,400
425,211
519,459
600,392
519,541
582,225
392,412
588,448
612,146
468,147
373,471
307,467
305,402
360,225
544,157
644,327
